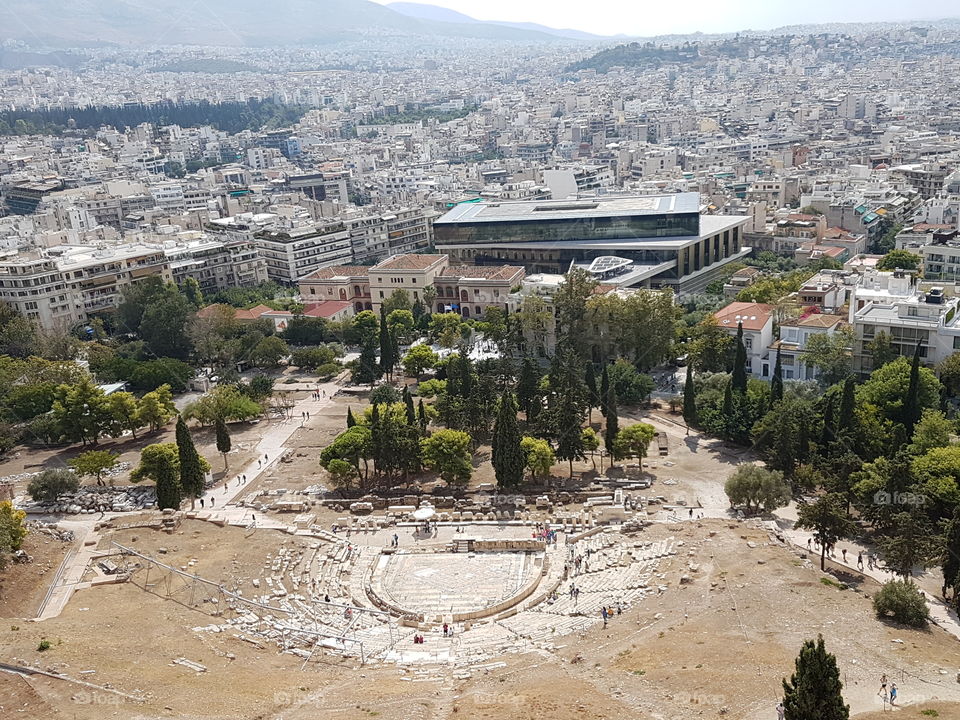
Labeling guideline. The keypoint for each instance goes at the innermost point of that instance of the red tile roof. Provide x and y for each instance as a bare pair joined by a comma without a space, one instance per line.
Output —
754,316
338,271
408,262
484,272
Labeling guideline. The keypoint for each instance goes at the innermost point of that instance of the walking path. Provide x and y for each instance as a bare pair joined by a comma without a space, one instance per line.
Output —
941,614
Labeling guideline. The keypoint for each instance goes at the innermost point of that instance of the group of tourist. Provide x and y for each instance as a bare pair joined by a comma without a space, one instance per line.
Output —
607,612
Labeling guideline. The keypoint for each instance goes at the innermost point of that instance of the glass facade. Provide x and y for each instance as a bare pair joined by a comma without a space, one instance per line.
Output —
588,228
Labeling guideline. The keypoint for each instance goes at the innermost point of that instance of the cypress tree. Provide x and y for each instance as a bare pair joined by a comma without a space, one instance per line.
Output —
527,386
612,421
847,403
729,422
422,418
593,396
411,411
951,556
814,689
776,385
739,376
604,391
223,440
351,420
911,404
169,493
689,398
386,346
826,437
367,368
507,457
191,471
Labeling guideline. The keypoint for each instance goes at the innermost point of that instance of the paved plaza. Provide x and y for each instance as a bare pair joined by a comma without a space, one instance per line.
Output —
453,583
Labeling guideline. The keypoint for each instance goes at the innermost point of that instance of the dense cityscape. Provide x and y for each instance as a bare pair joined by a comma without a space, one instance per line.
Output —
397,363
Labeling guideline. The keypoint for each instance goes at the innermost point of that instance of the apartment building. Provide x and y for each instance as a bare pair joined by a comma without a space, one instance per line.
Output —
794,338
68,284
215,264
293,253
756,319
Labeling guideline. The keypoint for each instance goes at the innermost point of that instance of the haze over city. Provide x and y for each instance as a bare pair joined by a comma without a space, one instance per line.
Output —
479,361
647,18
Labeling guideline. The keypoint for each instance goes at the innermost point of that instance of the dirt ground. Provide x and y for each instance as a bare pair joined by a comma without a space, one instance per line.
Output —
23,586
723,641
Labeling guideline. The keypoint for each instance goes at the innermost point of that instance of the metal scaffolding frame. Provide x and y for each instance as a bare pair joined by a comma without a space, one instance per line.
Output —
175,583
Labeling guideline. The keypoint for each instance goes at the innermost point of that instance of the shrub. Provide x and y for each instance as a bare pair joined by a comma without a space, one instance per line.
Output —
384,395
43,646
903,602
328,370
50,484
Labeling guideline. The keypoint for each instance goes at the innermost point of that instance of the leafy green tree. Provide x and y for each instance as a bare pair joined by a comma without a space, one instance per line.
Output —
156,408
259,388
223,441
889,386
910,541
342,473
399,300
633,441
445,328
814,689
782,436
827,518
164,323
447,452
418,360
830,354
95,464
384,395
757,488
124,409
269,352
903,602
507,456
192,467
881,350
933,431
709,346
364,326
400,322
191,290
353,446
81,411
312,357
224,402
632,387
161,463
538,455
51,484
899,260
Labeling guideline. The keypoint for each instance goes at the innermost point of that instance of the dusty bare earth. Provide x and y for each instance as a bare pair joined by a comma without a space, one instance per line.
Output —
723,641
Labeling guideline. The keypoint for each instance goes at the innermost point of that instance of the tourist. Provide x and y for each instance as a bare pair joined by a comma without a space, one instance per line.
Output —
446,629
691,512
844,553
326,598
201,502
893,694
809,542
603,613
780,711
212,500
860,561
883,684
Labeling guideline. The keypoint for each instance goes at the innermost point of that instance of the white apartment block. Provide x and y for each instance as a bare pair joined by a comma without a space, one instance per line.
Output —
293,253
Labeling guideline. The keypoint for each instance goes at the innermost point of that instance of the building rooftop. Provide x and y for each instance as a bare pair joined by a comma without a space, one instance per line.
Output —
408,262
482,272
572,209
753,316
338,271
816,320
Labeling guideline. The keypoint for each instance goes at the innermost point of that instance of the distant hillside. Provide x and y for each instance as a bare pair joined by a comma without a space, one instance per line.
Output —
226,22
635,55
424,11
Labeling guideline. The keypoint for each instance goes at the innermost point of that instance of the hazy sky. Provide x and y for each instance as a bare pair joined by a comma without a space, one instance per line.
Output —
657,17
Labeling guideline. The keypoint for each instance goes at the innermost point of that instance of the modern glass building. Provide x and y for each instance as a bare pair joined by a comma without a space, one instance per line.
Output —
665,238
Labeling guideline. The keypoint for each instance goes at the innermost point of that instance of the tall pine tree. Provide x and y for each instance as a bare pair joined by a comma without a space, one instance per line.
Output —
191,469
387,359
814,689
527,386
351,420
422,418
569,404
411,411
911,404
612,421
739,376
507,457
689,399
845,418
776,385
